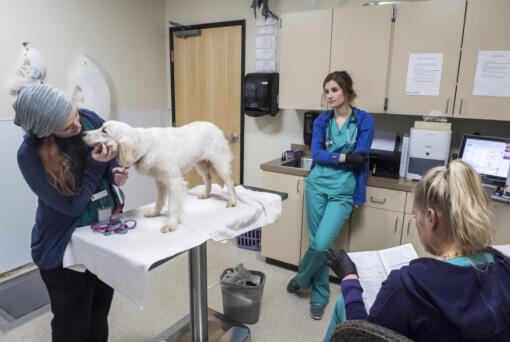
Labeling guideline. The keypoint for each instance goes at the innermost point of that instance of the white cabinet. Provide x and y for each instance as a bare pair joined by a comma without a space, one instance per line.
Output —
425,27
305,39
282,240
377,224
487,29
360,44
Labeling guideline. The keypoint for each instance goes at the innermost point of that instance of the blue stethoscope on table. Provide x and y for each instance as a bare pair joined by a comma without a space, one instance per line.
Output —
353,117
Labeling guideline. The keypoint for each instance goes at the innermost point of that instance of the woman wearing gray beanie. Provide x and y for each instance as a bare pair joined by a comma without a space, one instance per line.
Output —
64,173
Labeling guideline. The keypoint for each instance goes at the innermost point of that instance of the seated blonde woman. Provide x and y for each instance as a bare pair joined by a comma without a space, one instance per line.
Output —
464,295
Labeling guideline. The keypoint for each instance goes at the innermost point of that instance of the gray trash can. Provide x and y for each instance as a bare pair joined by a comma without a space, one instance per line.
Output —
241,303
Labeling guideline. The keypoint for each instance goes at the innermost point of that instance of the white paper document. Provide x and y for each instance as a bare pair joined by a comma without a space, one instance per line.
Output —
266,54
492,76
505,249
268,29
265,66
424,74
384,140
375,266
265,42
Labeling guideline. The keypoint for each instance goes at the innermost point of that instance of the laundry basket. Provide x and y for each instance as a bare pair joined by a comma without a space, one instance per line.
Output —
250,240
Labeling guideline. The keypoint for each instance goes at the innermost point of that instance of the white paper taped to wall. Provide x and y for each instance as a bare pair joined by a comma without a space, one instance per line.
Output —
492,76
424,74
90,89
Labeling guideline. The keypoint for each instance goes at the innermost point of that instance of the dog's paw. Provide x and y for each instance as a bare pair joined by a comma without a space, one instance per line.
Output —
231,204
151,213
168,228
203,196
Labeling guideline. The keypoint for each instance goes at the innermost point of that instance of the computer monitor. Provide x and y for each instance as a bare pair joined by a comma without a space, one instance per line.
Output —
489,156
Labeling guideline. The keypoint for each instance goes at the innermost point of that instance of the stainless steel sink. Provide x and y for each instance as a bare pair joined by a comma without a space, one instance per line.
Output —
299,163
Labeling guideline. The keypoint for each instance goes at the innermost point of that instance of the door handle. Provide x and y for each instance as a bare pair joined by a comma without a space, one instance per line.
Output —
396,224
460,107
447,103
298,186
408,226
377,200
232,138
322,99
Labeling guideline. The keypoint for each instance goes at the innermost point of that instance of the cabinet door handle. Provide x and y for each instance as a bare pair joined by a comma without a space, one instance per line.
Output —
377,200
396,224
408,226
322,99
447,103
460,107
298,186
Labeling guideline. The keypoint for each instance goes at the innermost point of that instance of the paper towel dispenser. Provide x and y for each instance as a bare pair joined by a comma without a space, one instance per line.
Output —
261,93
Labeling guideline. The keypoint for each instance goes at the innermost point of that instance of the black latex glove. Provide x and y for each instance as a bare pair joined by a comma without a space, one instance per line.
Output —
340,263
356,159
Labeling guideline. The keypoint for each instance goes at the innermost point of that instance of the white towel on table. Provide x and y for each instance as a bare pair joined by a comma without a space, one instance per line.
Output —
123,260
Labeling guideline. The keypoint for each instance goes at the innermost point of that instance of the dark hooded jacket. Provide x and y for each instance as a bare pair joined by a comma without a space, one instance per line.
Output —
432,300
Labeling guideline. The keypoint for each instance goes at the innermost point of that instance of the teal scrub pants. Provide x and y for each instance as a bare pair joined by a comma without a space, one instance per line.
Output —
326,215
338,317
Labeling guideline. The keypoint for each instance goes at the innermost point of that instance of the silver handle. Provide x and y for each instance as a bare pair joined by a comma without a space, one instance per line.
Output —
377,200
408,226
233,138
447,103
396,224
298,186
322,99
460,108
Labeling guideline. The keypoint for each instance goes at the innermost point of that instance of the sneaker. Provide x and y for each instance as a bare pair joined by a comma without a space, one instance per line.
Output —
293,286
317,310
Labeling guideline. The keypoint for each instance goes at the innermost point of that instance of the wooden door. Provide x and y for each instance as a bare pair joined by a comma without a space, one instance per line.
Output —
425,27
207,73
360,45
305,39
487,29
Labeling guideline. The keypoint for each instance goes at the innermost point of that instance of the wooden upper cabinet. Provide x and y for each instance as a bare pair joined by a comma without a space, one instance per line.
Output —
360,45
305,39
487,29
425,27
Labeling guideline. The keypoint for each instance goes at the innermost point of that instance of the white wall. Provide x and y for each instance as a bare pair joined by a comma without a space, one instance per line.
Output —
126,38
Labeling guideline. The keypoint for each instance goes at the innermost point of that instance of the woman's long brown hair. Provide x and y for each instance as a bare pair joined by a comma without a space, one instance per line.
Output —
58,165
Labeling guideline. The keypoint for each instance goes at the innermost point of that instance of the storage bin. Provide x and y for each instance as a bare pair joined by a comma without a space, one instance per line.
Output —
249,240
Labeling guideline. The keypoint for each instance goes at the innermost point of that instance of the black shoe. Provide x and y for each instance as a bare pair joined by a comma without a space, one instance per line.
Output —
317,310
293,286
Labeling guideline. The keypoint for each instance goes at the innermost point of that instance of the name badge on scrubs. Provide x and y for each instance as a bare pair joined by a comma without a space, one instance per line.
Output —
99,195
104,214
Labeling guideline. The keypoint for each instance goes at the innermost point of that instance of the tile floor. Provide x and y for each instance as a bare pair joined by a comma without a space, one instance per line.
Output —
284,316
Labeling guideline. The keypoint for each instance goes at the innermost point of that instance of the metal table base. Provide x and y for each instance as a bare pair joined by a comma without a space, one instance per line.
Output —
203,324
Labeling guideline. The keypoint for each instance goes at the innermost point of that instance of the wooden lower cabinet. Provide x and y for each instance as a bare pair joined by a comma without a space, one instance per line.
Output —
374,229
410,235
281,240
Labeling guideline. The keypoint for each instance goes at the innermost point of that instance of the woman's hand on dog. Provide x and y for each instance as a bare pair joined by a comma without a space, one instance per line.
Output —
102,153
120,176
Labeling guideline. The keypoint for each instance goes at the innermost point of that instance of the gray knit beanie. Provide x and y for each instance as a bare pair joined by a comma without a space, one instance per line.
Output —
41,109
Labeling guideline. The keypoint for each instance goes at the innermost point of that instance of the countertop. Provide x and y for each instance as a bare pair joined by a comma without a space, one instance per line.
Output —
401,184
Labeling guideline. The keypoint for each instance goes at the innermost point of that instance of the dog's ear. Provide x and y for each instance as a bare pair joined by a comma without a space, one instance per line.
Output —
126,154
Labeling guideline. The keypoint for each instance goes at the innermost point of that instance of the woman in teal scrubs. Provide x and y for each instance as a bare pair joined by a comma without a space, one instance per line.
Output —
341,142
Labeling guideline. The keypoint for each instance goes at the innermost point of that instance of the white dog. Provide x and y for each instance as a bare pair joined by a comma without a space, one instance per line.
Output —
167,154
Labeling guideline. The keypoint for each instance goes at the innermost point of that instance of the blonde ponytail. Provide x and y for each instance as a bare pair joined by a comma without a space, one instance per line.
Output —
455,192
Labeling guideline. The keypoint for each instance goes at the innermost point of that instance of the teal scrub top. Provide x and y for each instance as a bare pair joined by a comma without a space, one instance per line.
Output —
90,214
473,260
327,178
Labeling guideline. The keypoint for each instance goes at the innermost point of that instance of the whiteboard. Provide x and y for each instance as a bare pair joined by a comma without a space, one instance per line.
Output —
17,202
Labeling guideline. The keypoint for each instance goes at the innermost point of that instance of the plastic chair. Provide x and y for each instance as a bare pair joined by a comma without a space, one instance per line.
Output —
364,331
